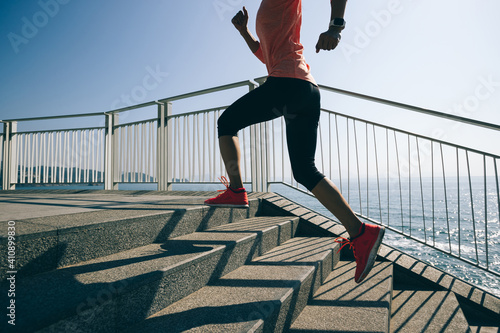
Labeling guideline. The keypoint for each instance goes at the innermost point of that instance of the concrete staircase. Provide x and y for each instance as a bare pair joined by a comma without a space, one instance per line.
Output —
176,265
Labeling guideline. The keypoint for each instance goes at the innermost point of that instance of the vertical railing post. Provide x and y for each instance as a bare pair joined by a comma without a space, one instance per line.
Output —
255,155
9,167
6,156
164,147
160,148
259,154
14,168
262,159
169,145
253,160
267,157
110,152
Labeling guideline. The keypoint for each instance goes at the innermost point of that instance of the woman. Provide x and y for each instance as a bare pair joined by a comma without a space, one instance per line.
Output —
290,91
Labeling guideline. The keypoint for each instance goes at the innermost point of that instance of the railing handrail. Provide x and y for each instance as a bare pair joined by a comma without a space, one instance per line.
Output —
61,130
192,113
413,108
209,90
260,80
138,106
95,114
438,114
391,128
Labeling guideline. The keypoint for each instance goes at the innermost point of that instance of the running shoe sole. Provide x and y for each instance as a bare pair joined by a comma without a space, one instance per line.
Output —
227,205
373,255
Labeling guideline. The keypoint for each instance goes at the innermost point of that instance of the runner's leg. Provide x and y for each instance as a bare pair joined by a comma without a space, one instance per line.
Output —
257,106
302,128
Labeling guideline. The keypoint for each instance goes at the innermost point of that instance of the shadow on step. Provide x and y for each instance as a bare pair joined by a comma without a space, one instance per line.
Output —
172,248
89,293
98,204
237,303
412,275
268,292
427,311
349,293
47,244
232,315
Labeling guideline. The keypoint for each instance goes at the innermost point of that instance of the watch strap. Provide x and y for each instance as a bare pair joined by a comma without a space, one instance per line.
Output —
338,22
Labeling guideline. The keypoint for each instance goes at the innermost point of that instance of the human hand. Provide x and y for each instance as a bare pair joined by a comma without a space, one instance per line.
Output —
240,20
328,40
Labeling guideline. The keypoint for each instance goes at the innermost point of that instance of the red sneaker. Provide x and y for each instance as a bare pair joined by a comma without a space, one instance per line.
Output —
229,197
365,247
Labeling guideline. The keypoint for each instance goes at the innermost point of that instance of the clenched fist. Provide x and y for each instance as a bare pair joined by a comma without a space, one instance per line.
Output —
328,40
240,20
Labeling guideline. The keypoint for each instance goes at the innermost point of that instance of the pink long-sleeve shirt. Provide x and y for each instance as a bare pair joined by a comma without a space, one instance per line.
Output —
278,27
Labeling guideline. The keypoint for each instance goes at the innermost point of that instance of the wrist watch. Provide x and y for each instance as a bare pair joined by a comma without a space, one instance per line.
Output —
337,23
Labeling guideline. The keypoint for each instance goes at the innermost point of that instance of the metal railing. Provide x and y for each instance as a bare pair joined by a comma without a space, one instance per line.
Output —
161,150
2,143
59,157
437,193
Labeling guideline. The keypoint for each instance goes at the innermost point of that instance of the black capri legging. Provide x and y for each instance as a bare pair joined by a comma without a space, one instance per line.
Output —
299,102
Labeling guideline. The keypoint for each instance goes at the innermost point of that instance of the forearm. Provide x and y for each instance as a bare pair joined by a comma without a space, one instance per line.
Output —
330,39
338,8
251,41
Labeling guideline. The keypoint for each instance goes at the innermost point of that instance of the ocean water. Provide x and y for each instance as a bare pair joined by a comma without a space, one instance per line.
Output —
440,213
441,239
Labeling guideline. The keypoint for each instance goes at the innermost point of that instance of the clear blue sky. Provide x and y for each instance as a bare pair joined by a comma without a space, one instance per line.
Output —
68,57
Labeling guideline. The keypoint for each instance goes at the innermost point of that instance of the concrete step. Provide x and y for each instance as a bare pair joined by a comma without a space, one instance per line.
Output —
110,293
485,329
49,242
341,305
427,311
265,295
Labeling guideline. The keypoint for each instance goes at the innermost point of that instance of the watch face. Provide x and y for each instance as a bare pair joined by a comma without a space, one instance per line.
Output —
338,22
